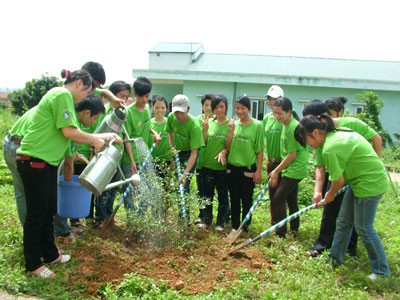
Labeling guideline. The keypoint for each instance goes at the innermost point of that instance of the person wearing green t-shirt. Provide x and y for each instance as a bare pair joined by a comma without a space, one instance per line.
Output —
137,125
52,127
162,151
293,168
350,159
185,136
331,211
205,115
245,144
215,133
272,135
12,141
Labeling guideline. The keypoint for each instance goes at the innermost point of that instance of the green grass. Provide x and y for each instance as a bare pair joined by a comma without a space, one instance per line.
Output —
294,276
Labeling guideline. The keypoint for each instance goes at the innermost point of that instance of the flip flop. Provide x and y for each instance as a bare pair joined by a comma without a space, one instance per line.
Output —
45,273
62,259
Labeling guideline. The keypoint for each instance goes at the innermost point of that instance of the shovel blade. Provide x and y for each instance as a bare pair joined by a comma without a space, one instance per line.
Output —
233,235
240,246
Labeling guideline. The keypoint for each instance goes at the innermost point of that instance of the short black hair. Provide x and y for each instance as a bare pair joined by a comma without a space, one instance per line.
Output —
96,70
118,86
206,97
93,103
142,86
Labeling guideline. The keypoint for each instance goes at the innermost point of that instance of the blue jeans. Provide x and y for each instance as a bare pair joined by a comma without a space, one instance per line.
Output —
9,149
104,203
61,227
128,201
360,212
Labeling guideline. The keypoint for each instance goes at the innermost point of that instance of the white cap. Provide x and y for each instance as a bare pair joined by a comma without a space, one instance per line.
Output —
180,103
275,91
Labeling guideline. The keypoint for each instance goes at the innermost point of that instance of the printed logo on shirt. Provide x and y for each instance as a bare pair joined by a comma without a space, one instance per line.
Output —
67,114
242,138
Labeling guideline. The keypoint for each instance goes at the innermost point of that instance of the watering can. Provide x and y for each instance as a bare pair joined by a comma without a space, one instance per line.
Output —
113,122
99,172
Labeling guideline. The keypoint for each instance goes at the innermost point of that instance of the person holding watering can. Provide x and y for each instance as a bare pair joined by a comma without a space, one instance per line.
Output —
53,126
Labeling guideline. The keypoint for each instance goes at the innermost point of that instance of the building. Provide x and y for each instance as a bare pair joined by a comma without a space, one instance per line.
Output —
185,68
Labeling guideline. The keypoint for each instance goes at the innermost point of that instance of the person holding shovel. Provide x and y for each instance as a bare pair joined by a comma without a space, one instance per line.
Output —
245,145
293,168
348,157
331,210
53,125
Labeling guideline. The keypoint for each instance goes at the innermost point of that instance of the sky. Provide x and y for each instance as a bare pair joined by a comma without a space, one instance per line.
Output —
46,36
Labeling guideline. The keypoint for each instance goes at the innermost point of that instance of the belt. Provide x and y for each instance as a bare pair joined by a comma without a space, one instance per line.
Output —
272,160
14,138
25,157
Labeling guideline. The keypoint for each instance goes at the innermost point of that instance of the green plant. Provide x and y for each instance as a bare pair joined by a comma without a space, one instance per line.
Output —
32,93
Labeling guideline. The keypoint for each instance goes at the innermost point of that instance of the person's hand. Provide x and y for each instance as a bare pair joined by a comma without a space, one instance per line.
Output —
117,102
257,177
221,157
231,126
205,124
273,179
97,142
81,158
317,197
157,138
133,168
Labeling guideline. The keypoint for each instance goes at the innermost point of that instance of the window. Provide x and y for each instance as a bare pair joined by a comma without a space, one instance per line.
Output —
358,107
304,102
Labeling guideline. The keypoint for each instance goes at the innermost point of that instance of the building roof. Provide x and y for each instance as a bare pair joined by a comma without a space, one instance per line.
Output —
177,48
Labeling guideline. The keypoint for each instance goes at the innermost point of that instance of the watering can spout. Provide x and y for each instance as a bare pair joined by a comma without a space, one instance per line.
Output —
134,180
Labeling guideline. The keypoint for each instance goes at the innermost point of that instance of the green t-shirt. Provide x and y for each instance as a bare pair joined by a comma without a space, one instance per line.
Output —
21,126
247,142
217,135
297,169
44,138
348,154
187,136
352,123
272,134
137,125
162,150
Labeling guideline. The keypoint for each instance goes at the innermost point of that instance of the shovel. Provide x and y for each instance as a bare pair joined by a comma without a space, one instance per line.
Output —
234,234
281,223
108,221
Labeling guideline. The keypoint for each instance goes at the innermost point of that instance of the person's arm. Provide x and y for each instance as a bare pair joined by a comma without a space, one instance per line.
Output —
377,144
115,102
171,141
68,168
128,149
231,130
335,186
273,176
96,140
156,135
319,183
190,164
258,173
205,129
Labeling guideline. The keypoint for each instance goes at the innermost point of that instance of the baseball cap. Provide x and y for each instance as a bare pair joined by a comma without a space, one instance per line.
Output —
180,103
275,91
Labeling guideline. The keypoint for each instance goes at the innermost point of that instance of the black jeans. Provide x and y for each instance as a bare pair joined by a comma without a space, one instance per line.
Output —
328,224
214,179
40,184
286,193
241,187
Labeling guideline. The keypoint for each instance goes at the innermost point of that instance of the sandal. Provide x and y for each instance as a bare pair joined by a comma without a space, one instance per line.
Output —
77,224
313,253
62,259
44,273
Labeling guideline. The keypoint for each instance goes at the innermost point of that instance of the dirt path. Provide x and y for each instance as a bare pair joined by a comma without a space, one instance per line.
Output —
394,176
6,296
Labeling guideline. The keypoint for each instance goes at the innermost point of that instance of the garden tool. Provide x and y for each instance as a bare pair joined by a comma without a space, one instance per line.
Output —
234,234
281,223
181,189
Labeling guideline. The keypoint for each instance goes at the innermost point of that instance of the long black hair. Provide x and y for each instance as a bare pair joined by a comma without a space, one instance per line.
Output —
307,125
76,75
286,105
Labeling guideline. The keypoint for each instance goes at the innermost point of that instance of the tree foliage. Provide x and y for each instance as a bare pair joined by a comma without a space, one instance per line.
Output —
26,98
370,115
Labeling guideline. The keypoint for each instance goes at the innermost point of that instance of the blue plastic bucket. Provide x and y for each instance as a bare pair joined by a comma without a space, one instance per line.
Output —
73,199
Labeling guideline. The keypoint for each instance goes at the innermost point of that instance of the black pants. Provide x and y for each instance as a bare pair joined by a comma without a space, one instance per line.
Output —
286,193
40,184
241,188
214,179
328,225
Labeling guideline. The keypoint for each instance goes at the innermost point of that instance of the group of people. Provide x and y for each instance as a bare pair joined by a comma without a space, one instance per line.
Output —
227,155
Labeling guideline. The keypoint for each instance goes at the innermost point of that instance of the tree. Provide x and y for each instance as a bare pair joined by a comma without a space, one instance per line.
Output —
370,115
26,98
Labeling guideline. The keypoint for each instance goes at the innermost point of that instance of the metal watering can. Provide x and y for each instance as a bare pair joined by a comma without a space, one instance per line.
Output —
113,122
101,169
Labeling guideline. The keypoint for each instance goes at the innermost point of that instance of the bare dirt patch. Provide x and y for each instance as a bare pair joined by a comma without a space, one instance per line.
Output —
199,266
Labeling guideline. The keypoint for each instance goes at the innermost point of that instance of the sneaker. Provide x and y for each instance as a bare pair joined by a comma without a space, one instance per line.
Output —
373,276
198,221
219,229
202,226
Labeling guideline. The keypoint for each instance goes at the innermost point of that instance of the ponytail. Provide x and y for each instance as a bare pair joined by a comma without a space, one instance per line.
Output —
307,125
76,75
